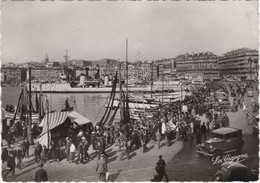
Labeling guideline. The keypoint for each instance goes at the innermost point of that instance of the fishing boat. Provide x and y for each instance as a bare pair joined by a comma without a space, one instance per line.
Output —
10,115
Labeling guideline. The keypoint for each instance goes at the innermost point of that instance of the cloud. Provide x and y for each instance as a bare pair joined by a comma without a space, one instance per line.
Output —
95,30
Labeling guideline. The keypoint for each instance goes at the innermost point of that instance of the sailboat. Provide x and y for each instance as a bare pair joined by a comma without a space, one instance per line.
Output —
20,110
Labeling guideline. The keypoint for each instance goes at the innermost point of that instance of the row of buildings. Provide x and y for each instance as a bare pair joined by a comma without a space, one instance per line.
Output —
240,63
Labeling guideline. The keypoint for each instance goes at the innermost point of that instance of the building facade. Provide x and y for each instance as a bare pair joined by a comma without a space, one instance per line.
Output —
205,63
45,75
241,63
13,75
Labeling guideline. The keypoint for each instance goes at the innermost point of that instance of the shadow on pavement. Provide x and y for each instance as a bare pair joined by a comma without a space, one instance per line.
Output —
26,171
27,164
149,148
111,159
132,155
114,176
111,154
109,150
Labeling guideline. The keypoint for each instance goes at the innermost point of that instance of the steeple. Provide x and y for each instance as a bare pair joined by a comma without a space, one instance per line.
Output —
46,60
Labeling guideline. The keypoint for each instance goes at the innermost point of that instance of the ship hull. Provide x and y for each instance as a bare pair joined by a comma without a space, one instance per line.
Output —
10,115
66,88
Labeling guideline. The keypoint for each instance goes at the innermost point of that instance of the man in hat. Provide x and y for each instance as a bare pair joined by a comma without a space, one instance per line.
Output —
101,168
41,175
162,166
10,164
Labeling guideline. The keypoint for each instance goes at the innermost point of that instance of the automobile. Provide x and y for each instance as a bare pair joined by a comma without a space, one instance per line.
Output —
235,171
224,140
250,93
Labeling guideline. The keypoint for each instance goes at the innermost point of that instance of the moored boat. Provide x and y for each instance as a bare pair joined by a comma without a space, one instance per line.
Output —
10,115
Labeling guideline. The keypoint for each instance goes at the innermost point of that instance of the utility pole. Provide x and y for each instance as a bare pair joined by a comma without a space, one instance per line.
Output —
30,111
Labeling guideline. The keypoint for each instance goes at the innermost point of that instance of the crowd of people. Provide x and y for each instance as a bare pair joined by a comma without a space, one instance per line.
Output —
169,122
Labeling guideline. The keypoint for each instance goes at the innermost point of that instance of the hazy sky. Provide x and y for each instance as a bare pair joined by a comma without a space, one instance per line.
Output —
96,30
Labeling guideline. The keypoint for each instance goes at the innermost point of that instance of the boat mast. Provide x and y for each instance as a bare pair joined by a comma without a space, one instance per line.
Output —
66,57
16,110
151,79
40,102
48,132
120,92
126,110
30,111
126,70
66,70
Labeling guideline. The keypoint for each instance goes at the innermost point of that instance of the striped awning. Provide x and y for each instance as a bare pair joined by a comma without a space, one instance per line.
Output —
52,120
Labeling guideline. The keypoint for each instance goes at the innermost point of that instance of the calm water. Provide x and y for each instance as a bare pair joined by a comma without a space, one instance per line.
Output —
89,105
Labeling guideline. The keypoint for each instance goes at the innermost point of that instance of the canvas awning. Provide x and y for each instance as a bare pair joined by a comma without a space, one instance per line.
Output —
78,118
52,120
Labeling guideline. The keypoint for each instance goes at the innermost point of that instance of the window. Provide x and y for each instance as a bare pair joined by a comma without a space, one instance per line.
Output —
215,135
228,136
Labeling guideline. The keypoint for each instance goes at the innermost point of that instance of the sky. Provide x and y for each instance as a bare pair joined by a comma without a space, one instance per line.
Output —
95,30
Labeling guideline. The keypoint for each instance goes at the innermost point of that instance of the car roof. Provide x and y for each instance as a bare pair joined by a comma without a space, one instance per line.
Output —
230,165
226,130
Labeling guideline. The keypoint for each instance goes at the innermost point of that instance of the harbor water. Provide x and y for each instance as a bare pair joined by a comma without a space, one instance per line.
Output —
90,105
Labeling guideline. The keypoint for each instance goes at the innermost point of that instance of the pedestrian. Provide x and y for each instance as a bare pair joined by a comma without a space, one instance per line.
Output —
72,152
60,155
102,168
9,138
158,137
44,154
125,150
41,175
190,135
67,147
10,167
80,153
144,139
27,146
203,130
19,156
208,126
24,131
198,137
53,152
37,151
85,149
162,165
